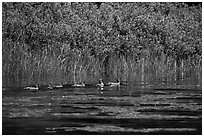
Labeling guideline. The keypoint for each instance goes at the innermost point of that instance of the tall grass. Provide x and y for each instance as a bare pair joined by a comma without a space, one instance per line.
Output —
21,68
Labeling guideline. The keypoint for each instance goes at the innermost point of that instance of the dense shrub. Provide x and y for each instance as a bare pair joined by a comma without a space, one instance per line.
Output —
68,42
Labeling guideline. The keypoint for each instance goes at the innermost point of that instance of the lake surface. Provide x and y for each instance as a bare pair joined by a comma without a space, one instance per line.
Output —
129,109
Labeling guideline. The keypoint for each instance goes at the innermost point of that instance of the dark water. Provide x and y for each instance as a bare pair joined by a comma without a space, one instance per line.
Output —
128,109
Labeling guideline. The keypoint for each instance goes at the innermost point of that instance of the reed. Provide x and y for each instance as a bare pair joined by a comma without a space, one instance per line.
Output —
22,68
72,45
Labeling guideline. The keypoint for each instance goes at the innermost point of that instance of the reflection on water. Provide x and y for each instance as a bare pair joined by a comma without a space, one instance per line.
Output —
133,108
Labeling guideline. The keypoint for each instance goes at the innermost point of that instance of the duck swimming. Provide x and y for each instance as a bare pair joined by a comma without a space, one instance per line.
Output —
112,84
101,84
32,88
80,85
59,86
50,86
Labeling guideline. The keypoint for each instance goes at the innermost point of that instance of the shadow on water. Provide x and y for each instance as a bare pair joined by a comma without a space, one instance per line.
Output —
133,108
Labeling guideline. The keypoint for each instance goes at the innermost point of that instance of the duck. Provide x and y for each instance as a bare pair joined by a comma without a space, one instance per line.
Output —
36,87
100,84
79,85
113,84
50,86
59,86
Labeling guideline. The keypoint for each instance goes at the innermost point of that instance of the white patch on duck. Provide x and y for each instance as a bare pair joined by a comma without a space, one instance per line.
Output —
80,85
112,84
59,86
32,88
